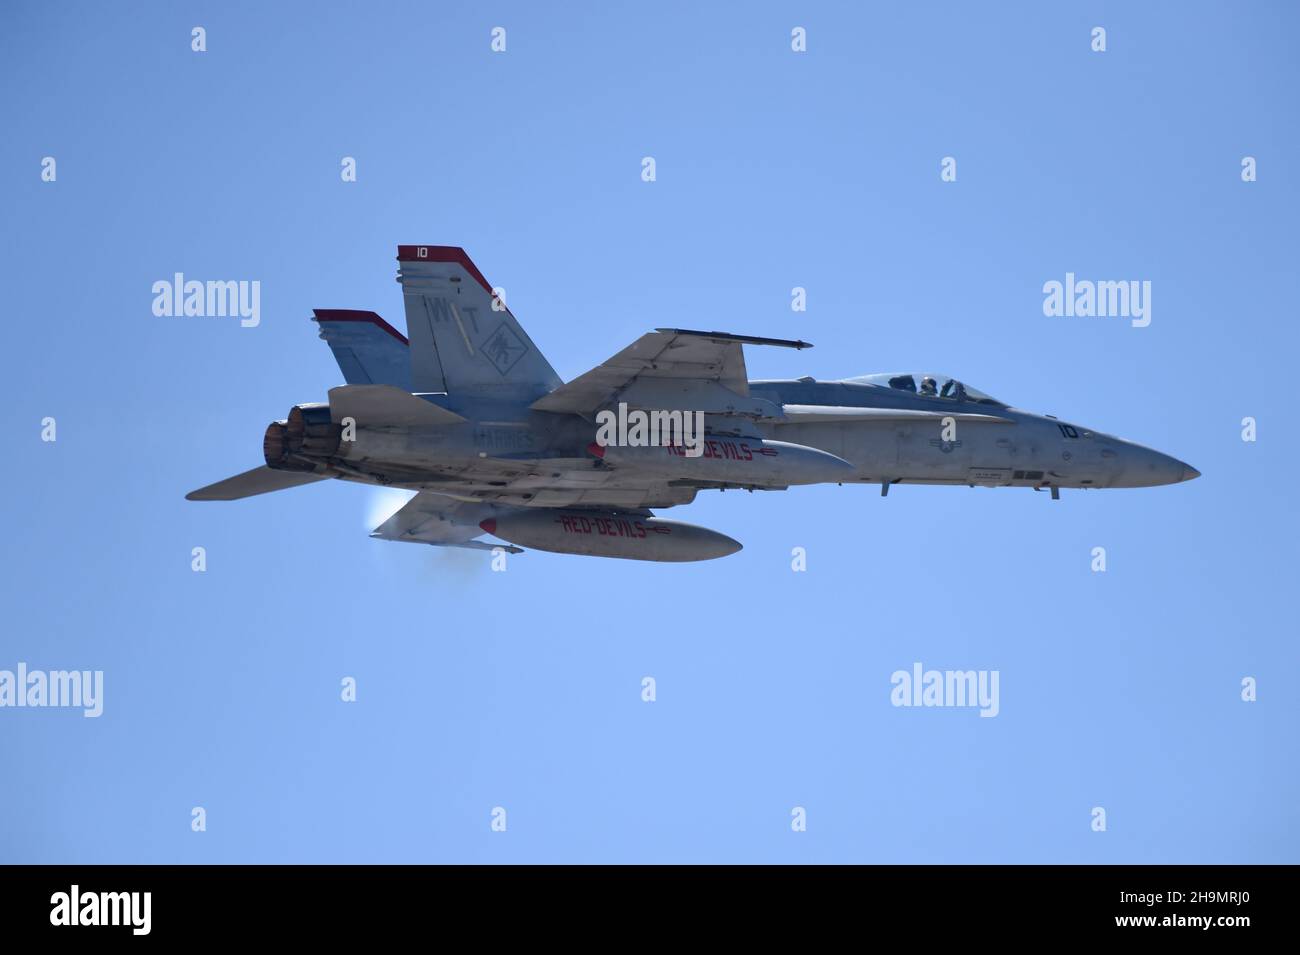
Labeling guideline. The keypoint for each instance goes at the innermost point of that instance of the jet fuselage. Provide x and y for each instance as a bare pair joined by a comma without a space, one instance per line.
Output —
1013,447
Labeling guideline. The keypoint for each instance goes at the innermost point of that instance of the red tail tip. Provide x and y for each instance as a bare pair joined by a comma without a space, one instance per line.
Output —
490,525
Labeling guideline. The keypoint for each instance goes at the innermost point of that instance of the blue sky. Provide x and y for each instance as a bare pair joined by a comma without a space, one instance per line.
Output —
522,689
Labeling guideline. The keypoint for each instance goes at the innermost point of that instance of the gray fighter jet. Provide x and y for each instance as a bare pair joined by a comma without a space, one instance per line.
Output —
469,413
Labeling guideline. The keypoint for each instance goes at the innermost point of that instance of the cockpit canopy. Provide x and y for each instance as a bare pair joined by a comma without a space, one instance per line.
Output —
927,385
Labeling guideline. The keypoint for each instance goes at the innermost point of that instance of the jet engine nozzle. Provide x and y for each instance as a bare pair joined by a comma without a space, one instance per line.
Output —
308,435
310,430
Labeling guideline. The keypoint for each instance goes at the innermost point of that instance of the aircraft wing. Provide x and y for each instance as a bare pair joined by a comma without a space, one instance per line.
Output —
257,481
430,518
669,368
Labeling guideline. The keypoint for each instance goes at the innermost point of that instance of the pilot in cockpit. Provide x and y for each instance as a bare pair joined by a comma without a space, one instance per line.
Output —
928,388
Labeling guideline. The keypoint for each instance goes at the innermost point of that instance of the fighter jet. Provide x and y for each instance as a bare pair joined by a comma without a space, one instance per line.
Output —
467,412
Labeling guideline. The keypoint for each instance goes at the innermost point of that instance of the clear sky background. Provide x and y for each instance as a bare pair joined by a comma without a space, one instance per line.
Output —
523,689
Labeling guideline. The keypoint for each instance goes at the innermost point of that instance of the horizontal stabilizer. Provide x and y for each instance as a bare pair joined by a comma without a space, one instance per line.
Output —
383,406
809,414
257,481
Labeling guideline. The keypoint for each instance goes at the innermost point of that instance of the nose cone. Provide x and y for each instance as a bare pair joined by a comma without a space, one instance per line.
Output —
1148,468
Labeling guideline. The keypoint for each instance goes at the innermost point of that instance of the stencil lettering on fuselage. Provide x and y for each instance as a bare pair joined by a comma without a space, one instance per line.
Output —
503,439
